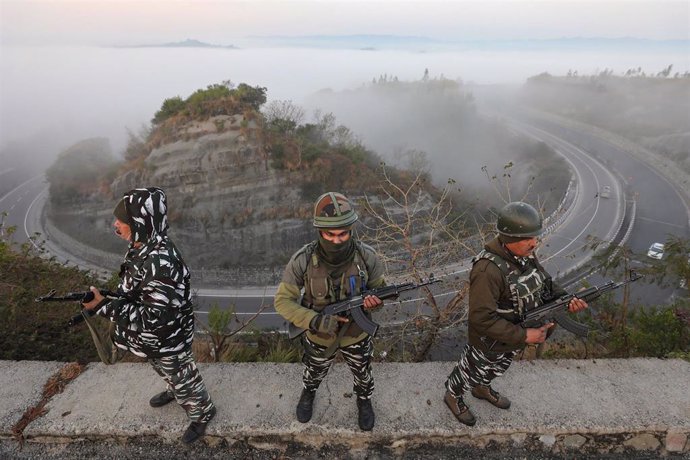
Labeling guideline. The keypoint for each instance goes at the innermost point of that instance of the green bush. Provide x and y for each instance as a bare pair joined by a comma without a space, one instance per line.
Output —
37,331
195,103
657,333
253,96
275,348
170,107
209,102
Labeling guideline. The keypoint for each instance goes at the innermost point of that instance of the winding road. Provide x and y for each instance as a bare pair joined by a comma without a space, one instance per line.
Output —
660,211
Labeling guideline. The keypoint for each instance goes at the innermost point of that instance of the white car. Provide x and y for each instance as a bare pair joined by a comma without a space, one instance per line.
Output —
605,192
656,251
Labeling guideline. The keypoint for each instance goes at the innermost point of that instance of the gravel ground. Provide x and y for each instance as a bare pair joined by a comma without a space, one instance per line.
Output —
153,448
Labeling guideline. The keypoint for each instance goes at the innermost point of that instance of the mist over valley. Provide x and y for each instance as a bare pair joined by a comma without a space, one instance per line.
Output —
394,102
65,94
429,116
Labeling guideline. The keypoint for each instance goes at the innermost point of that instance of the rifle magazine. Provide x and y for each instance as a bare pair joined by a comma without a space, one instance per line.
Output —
570,325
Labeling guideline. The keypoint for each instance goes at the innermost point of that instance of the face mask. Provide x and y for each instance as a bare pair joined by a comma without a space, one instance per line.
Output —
335,253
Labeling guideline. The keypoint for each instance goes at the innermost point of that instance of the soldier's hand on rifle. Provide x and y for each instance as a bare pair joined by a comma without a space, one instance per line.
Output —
326,324
538,334
97,298
371,301
576,305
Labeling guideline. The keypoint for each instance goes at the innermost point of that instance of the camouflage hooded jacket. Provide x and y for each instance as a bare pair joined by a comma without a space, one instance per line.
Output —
156,318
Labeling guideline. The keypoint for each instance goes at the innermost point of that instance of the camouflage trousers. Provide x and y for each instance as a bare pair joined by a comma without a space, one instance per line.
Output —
477,368
185,382
357,356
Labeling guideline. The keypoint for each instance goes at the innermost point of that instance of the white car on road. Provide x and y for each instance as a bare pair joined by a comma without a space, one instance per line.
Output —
656,251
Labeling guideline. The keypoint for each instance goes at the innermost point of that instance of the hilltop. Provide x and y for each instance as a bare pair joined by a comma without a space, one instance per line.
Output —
241,175
240,185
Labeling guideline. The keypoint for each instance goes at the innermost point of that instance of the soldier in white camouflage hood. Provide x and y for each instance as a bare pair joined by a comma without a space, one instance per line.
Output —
155,319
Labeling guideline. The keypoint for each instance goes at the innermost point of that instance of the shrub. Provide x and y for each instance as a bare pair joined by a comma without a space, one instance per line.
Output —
37,331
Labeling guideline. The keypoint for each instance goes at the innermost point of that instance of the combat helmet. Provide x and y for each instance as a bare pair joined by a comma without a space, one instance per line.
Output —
519,220
334,210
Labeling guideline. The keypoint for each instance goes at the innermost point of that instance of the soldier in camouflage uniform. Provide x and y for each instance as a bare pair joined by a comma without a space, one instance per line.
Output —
155,319
506,279
334,267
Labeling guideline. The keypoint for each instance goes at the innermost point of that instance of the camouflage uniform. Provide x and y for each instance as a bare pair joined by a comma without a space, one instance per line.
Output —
335,267
324,284
156,320
501,286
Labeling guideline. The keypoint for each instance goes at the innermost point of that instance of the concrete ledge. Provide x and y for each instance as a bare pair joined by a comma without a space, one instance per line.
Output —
21,387
598,405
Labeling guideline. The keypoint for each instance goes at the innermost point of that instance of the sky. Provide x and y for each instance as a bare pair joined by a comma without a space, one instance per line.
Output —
121,22
62,80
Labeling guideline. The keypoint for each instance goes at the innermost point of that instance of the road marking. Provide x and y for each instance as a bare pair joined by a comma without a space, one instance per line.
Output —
26,216
240,313
19,186
574,150
239,296
660,222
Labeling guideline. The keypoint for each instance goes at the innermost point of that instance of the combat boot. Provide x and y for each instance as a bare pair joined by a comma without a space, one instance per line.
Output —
366,415
161,399
305,406
489,394
459,409
196,430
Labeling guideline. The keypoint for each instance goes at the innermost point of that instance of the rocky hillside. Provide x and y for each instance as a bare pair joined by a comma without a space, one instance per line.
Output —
240,189
241,182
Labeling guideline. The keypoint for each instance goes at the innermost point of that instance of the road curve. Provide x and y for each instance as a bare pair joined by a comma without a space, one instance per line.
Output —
586,215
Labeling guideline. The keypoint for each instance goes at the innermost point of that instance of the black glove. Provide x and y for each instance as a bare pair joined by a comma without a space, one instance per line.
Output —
324,324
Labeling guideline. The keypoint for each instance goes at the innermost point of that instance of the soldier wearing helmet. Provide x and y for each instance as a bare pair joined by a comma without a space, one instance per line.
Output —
333,267
506,279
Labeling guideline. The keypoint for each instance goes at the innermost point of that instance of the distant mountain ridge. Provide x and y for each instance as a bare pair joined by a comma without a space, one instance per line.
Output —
188,43
373,41
420,43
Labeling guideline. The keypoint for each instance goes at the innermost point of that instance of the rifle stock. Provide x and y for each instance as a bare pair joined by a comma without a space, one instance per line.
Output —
353,307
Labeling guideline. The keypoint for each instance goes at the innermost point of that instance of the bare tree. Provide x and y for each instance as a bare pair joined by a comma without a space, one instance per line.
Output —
503,183
283,112
615,260
418,231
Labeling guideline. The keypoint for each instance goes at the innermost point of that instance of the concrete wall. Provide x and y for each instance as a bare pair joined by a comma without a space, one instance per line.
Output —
622,408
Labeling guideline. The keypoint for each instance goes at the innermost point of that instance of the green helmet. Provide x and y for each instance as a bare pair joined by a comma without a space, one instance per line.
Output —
518,219
334,210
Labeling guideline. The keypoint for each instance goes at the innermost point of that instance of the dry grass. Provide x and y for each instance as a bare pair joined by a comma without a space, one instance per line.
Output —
55,385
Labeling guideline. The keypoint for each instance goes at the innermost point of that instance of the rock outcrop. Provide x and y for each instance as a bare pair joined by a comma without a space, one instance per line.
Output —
227,205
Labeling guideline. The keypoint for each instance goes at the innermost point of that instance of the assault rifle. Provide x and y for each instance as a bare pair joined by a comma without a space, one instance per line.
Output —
353,306
556,309
81,297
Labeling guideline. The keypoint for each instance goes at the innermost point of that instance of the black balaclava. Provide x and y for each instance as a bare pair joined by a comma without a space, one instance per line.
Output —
335,254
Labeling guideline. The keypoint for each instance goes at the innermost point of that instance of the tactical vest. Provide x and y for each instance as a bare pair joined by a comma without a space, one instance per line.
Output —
526,284
320,289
